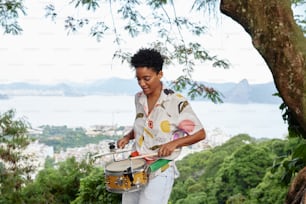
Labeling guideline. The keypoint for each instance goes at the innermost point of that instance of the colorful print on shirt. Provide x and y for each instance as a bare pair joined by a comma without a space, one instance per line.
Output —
170,113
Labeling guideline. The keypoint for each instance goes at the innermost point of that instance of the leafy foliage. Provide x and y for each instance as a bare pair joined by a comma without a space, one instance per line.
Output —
69,182
58,184
90,4
269,190
161,18
170,29
15,166
139,17
292,161
9,15
92,189
295,159
239,171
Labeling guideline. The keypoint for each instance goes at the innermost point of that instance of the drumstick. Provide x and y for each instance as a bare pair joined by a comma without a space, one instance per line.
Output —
110,153
145,155
149,155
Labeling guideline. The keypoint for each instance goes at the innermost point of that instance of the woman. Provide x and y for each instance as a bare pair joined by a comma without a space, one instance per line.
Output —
160,113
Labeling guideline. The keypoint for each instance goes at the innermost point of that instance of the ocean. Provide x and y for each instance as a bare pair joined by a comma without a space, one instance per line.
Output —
257,120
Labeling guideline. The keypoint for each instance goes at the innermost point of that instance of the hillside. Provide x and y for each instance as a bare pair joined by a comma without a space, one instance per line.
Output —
238,171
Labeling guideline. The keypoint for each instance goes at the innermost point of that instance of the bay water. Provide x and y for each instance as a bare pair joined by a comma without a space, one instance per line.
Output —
257,120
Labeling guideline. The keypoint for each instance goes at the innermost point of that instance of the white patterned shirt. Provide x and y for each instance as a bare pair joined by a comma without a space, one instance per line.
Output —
171,112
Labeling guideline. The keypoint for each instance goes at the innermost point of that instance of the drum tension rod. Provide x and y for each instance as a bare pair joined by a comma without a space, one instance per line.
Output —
112,149
129,173
111,146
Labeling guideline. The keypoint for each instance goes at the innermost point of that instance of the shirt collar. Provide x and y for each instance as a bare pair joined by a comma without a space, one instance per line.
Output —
163,97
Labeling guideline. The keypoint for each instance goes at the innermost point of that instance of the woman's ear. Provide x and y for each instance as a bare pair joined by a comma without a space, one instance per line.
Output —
160,74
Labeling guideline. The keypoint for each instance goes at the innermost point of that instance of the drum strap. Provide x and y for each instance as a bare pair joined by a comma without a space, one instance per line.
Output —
161,164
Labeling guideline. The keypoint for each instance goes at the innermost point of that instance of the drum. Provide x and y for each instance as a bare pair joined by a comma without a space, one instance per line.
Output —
126,175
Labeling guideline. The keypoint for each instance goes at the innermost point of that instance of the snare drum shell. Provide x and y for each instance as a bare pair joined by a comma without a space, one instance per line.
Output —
118,180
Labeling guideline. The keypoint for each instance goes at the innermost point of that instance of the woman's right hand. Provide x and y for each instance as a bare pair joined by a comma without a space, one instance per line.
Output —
123,141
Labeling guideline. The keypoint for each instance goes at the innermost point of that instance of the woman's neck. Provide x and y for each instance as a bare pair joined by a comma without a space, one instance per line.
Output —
153,98
156,93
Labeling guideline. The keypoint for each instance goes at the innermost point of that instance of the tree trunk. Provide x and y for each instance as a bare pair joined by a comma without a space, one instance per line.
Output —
297,189
280,42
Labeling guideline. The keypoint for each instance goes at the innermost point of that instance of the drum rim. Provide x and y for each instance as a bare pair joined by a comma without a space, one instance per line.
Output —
120,173
137,188
139,165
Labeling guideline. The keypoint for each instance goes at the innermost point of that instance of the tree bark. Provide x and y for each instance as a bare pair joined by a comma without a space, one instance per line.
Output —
280,42
297,189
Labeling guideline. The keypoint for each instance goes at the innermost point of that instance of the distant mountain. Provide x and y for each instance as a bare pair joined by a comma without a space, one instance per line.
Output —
27,89
112,86
241,92
2,96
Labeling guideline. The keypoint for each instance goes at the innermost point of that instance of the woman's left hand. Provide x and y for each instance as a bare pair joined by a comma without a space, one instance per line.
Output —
166,149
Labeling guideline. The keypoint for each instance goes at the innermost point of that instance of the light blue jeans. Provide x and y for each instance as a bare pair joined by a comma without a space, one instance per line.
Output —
157,191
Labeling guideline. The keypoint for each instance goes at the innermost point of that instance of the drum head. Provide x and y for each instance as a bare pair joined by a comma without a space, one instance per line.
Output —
120,166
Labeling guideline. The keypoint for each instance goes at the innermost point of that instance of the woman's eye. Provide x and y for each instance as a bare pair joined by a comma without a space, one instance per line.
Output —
147,78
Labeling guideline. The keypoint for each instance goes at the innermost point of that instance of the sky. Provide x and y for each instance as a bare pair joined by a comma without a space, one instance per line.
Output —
45,54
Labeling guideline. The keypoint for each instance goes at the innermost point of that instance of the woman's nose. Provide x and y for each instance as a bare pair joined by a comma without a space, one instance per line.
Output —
141,83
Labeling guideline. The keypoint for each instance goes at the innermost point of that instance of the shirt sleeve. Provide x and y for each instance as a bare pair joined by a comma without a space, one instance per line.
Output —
187,119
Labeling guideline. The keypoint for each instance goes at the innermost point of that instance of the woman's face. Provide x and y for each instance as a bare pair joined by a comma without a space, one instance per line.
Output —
148,80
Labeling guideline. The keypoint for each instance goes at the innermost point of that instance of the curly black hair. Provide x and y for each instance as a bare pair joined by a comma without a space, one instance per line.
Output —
148,58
